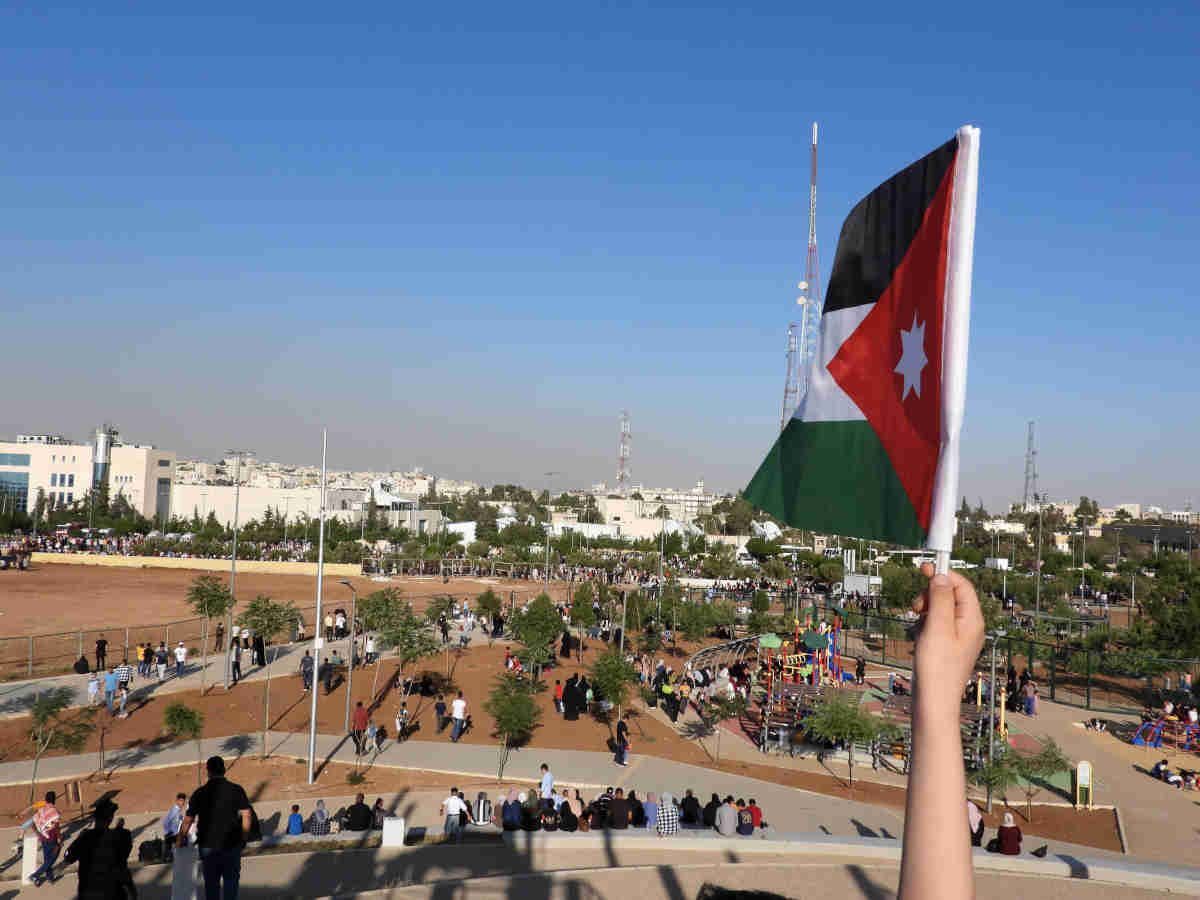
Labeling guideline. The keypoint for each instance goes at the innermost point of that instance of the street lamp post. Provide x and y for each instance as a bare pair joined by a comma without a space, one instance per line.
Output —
237,485
318,637
350,653
1037,566
549,523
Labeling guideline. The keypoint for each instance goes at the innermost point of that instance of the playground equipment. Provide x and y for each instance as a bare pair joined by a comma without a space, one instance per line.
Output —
1175,734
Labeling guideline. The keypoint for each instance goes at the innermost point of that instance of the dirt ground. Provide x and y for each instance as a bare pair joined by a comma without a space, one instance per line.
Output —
57,602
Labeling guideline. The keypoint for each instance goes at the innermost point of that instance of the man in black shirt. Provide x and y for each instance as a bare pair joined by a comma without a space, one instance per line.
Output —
710,812
689,809
618,811
101,653
222,812
359,816
623,740
103,857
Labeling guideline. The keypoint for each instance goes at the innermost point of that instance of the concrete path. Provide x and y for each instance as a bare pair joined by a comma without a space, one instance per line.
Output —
788,810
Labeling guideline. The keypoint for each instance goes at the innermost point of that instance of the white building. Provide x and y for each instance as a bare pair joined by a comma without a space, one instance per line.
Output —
1003,526
64,471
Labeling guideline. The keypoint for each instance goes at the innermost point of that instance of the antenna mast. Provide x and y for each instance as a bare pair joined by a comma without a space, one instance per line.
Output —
802,350
624,451
1030,472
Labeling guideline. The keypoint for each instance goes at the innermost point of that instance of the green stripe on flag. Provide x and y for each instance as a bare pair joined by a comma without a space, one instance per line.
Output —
836,478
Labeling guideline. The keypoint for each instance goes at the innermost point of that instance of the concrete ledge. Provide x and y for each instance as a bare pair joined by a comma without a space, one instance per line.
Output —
201,565
1108,870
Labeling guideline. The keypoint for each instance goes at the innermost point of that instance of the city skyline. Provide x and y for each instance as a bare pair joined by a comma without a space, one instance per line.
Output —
468,244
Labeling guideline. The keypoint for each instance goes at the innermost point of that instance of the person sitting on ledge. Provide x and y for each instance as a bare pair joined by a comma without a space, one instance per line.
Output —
1162,773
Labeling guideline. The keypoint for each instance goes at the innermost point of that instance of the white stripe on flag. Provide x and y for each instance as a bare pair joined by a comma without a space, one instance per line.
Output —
825,401
960,254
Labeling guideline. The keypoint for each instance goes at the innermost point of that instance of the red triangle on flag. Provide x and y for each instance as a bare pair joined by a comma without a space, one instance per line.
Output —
891,366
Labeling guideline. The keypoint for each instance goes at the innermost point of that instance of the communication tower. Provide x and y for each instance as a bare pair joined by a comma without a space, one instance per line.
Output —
624,451
1030,471
802,349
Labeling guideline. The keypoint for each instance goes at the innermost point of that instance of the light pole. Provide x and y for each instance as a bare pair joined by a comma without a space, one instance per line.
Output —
549,522
237,471
1083,555
287,506
1037,566
992,711
350,656
318,638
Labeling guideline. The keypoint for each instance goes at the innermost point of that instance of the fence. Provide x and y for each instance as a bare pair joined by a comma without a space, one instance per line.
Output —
1104,681
39,655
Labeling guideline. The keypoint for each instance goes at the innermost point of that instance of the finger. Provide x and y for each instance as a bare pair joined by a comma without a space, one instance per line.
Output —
940,604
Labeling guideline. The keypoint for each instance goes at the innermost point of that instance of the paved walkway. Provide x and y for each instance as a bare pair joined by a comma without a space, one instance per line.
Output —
788,810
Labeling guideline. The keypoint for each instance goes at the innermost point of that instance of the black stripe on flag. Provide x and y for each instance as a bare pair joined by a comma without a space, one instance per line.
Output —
879,230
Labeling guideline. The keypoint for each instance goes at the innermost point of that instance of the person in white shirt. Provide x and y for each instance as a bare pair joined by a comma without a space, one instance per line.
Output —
452,808
458,712
547,782
180,659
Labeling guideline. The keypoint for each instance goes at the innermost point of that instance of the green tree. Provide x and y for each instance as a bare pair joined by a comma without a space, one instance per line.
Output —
184,723
613,678
487,606
583,616
268,620
512,704
841,719
716,711
998,776
537,627
397,628
210,599
54,725
719,563
693,621
1036,771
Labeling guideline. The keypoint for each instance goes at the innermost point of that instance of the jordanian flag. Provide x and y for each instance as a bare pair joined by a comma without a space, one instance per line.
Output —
872,449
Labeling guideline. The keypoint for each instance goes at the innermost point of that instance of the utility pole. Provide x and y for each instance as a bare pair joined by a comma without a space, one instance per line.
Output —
318,636
991,715
1037,566
349,654
549,522
237,472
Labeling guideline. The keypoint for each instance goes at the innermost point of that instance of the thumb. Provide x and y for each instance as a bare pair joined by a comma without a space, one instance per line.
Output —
939,607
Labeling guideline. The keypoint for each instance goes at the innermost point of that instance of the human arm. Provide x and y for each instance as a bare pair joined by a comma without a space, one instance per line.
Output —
936,861
184,828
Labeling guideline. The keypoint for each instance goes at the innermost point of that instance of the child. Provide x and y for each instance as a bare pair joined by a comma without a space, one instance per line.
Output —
93,689
558,695
402,722
122,697
439,710
380,737
295,821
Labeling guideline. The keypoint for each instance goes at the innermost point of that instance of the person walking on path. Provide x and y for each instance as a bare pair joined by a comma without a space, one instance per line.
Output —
110,688
306,670
124,674
236,664
547,788
358,727
221,811
103,856
160,661
101,653
47,824
458,712
180,659
623,741
219,637
452,809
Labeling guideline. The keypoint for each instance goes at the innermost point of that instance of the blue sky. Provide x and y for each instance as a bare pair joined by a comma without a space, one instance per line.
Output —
468,238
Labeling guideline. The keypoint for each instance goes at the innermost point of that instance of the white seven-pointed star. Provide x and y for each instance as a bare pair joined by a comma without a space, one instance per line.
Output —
912,358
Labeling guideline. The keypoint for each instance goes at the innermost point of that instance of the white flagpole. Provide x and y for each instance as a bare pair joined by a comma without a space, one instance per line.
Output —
960,255
318,634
